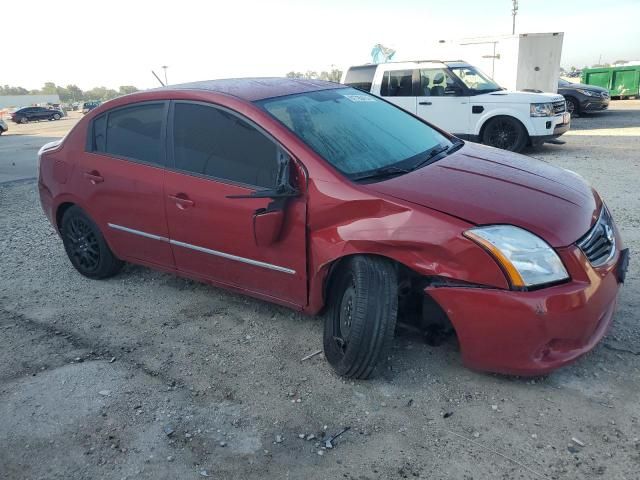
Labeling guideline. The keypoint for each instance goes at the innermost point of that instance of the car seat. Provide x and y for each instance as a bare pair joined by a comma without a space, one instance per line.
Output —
438,89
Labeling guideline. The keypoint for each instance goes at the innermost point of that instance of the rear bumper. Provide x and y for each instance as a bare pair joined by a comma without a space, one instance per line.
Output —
46,201
536,332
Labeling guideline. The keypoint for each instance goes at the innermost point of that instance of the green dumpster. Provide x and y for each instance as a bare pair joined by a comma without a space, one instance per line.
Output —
622,81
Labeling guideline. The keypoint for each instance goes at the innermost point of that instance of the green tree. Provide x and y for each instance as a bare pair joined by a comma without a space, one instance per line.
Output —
75,93
49,89
333,76
7,90
293,74
126,89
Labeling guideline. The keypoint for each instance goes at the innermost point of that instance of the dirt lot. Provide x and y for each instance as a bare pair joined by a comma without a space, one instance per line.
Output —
151,376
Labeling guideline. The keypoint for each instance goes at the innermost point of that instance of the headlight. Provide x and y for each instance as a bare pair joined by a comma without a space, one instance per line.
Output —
526,259
588,93
542,109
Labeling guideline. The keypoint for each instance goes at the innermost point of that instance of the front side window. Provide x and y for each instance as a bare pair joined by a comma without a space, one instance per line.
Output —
436,82
354,131
213,142
397,83
475,80
133,133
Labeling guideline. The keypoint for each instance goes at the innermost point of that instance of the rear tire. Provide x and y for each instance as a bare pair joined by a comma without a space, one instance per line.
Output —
86,247
506,133
57,116
361,319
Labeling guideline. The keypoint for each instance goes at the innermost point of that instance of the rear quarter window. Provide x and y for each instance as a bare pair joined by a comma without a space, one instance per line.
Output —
360,77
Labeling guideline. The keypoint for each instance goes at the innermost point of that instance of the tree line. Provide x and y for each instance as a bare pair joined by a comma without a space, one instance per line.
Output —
71,93
332,76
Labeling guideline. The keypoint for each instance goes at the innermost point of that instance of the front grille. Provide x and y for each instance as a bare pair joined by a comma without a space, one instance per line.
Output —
599,243
559,107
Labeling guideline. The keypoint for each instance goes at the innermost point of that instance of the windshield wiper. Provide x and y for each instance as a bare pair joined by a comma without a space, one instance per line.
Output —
381,172
432,156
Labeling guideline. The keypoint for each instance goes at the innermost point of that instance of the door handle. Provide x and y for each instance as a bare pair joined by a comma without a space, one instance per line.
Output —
425,103
182,200
94,177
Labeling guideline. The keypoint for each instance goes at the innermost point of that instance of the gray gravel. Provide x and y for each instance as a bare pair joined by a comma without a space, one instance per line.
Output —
147,375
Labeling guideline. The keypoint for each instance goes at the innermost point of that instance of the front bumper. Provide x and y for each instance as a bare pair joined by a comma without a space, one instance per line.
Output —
535,332
547,128
592,104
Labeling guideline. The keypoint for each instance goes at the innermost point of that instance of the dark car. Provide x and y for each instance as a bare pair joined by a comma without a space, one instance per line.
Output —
88,106
583,98
312,194
29,114
3,126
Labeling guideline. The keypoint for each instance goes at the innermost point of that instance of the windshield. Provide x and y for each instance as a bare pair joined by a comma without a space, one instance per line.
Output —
475,80
354,131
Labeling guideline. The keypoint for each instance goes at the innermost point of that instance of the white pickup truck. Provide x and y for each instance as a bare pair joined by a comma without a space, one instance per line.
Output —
460,99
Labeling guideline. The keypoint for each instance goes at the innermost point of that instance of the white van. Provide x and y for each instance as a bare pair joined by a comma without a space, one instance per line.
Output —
460,99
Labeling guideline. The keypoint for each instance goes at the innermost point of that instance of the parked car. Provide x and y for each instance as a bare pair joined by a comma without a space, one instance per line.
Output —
29,114
3,126
458,98
583,98
321,197
88,106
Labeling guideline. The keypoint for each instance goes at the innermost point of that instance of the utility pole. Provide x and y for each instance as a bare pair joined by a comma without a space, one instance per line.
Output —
514,12
164,67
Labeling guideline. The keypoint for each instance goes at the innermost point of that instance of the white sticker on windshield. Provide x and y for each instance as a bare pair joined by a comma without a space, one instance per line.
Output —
360,98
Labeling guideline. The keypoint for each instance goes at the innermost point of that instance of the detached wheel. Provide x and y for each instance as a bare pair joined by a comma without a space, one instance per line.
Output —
86,247
362,314
573,107
506,133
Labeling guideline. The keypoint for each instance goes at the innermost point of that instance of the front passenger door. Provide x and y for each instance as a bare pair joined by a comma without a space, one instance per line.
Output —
216,154
443,102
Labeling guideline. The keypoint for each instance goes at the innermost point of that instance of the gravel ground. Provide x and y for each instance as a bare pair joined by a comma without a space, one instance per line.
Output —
147,375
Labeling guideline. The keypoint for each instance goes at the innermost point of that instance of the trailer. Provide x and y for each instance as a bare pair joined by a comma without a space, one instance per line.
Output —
525,61
621,81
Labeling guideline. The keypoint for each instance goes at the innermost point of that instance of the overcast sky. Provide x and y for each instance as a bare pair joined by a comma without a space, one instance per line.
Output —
116,42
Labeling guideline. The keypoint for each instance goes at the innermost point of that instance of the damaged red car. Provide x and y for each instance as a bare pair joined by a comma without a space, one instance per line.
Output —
321,197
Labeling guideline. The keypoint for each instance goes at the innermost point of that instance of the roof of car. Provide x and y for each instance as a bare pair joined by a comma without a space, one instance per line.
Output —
252,89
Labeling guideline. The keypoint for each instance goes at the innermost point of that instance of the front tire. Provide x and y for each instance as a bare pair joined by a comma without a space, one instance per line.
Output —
361,319
506,133
573,107
86,247
24,120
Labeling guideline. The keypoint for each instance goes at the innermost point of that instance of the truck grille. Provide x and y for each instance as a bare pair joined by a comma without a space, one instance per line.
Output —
599,243
559,107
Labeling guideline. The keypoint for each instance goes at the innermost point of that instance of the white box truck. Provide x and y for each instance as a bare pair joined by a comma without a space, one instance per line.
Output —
525,61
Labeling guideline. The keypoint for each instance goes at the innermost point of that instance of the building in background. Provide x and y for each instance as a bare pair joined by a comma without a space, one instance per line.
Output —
14,101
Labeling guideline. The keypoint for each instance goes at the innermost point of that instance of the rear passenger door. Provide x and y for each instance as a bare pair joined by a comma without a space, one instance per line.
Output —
396,87
216,153
120,177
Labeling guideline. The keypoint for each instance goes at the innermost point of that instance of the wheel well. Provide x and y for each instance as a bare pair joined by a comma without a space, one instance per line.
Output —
416,309
486,122
63,207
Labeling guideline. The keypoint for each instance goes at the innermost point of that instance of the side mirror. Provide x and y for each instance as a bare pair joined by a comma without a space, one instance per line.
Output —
268,222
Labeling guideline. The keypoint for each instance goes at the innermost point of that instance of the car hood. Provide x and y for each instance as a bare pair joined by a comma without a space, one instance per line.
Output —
508,96
484,185
582,86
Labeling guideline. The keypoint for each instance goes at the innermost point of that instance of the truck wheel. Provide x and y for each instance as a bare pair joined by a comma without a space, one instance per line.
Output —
86,247
573,107
360,322
506,133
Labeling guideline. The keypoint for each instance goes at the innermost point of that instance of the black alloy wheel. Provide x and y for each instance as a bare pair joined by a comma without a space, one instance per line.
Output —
506,133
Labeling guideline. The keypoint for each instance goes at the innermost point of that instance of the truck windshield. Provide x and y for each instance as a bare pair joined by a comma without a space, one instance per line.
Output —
354,131
475,80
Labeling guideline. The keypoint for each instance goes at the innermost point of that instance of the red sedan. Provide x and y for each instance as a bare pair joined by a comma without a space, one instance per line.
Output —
311,194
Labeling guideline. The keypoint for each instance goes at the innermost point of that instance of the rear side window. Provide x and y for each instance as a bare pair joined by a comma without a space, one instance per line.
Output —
397,83
98,138
213,142
360,77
